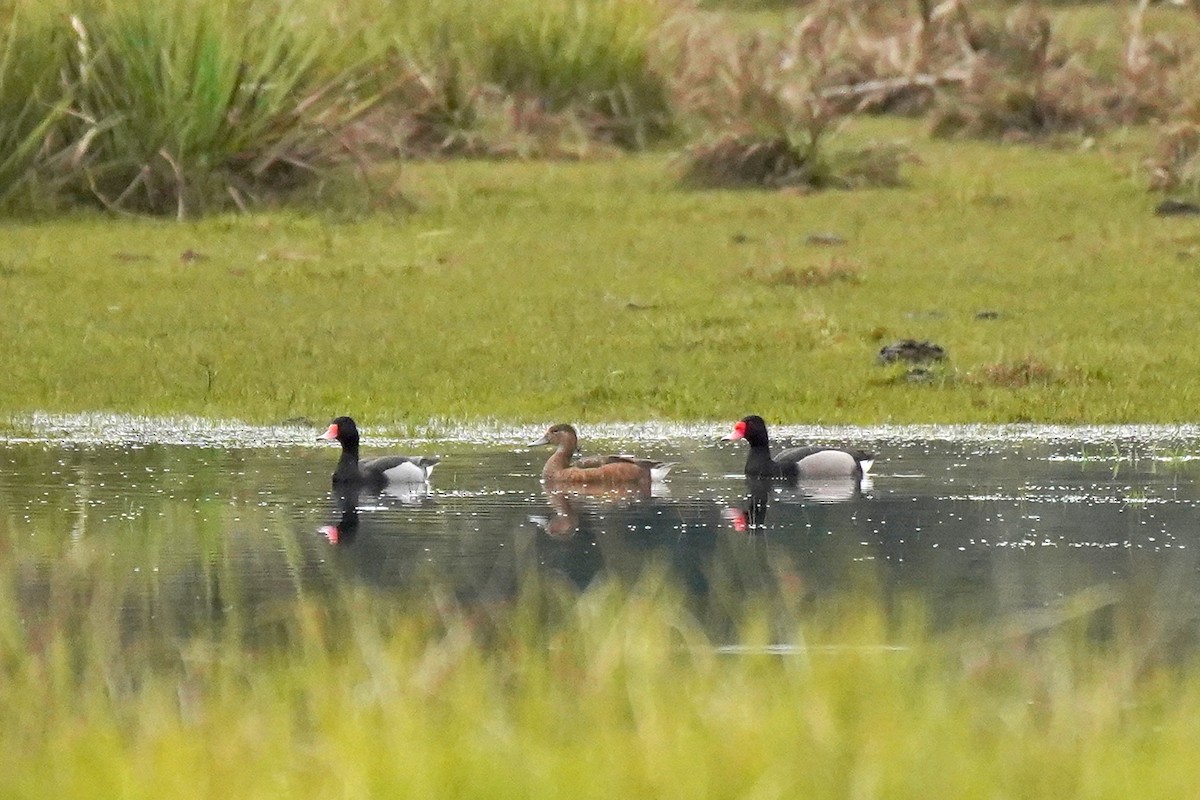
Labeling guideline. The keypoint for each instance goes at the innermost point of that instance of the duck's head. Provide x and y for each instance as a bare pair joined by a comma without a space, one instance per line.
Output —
562,435
752,428
343,430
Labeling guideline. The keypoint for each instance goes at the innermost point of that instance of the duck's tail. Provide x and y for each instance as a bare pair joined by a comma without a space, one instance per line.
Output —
660,469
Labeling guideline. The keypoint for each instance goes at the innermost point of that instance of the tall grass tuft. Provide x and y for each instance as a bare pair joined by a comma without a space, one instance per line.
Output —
34,94
184,106
773,103
495,77
594,55
1175,165
1021,82
435,48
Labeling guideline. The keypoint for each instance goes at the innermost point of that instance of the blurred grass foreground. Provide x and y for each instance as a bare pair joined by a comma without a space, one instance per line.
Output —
616,692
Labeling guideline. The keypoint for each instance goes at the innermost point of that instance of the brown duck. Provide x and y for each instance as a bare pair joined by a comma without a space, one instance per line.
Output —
619,470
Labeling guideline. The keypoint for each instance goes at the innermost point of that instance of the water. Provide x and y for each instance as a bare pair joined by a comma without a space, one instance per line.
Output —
187,521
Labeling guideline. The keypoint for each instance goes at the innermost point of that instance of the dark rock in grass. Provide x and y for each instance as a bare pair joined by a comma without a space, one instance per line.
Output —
1176,208
987,313
825,239
912,351
191,256
739,238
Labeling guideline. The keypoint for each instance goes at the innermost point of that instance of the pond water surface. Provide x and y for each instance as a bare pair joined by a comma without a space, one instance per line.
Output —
186,520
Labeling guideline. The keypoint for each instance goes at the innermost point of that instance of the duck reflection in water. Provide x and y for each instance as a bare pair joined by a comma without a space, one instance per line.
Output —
347,501
345,527
566,504
618,532
752,514
407,494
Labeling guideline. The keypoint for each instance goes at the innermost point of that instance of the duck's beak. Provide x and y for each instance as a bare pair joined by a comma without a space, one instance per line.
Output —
738,432
540,441
329,434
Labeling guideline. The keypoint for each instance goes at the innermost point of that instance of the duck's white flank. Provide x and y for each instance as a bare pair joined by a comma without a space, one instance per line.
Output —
409,472
827,464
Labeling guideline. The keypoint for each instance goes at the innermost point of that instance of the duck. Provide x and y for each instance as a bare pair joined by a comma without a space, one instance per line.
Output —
609,470
378,472
796,462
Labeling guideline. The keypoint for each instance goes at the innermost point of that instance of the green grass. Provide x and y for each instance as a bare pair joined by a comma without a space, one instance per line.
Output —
612,694
529,291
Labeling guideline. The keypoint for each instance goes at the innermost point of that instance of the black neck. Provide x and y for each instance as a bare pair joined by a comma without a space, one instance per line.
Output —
759,461
347,466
